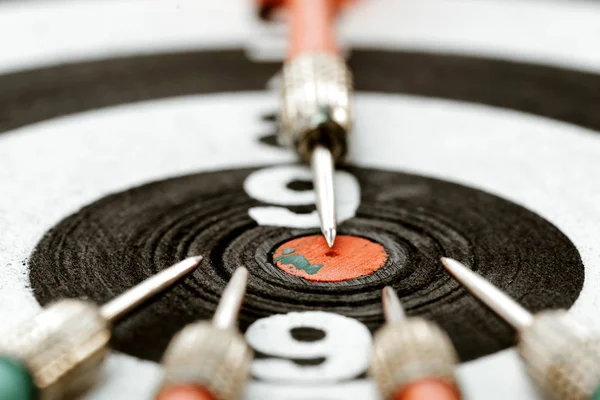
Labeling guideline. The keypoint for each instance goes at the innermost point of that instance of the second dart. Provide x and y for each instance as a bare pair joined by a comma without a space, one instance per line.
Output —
316,112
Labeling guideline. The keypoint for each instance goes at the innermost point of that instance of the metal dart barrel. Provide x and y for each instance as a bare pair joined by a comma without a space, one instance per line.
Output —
562,356
316,106
57,353
210,360
412,359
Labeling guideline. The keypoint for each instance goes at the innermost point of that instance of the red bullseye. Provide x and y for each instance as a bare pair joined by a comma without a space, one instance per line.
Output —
310,258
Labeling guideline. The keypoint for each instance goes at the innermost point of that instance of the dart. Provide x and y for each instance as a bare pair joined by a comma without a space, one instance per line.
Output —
210,360
561,356
412,358
58,353
316,101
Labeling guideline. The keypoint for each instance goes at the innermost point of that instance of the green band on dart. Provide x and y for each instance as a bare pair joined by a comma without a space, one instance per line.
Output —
15,381
596,395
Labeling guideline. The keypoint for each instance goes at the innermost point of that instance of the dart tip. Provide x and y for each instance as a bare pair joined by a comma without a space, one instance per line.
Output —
392,309
485,291
323,171
459,271
187,265
127,301
197,259
450,264
231,300
388,291
330,235
240,274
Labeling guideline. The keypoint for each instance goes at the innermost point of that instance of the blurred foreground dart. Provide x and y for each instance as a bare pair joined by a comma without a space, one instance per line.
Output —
562,356
413,359
58,353
316,112
210,360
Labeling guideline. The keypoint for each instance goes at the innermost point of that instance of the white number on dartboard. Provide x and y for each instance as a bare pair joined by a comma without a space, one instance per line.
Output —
270,185
285,371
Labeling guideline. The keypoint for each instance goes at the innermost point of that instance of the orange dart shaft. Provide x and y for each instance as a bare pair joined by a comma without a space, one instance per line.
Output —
311,27
428,389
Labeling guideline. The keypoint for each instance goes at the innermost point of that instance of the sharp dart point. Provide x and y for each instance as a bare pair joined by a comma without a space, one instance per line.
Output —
323,172
133,297
329,236
392,308
231,301
511,311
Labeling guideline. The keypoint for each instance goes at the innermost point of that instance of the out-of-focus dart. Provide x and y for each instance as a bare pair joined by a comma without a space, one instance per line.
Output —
210,360
58,353
413,359
562,357
316,110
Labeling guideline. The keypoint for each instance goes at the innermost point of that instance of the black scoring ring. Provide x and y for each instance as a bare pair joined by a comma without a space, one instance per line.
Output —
117,241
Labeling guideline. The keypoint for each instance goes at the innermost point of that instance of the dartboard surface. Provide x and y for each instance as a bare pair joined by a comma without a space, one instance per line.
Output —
134,134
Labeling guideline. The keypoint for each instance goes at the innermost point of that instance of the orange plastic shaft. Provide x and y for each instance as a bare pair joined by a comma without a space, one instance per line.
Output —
428,389
184,392
311,26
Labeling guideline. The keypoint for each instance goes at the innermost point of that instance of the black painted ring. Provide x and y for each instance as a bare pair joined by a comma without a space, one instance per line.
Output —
559,93
120,239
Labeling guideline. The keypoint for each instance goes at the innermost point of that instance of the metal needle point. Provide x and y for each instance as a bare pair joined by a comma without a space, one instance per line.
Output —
494,298
231,301
323,170
392,309
125,302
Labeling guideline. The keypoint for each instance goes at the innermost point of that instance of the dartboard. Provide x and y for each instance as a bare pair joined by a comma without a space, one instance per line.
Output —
134,134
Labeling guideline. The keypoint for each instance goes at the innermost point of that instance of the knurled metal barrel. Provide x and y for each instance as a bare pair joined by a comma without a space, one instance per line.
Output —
410,350
217,359
316,105
562,356
62,347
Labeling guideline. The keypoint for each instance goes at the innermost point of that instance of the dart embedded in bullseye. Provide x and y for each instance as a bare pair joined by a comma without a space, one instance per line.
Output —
562,356
412,358
316,96
58,353
323,170
210,360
